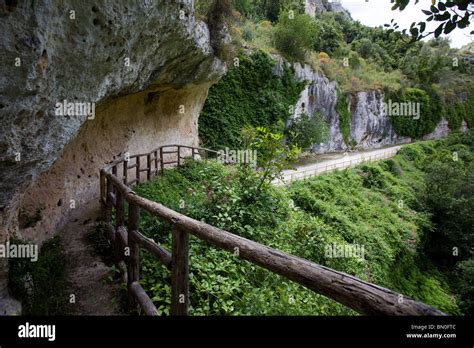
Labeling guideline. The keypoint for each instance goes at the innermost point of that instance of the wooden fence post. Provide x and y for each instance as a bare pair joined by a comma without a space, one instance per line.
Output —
114,172
137,159
162,160
119,209
117,249
103,197
125,172
108,202
134,257
148,165
180,273
179,156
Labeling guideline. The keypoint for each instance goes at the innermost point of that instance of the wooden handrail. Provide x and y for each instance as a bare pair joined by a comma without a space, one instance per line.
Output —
362,296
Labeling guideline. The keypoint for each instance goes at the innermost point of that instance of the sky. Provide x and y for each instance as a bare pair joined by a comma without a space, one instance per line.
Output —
378,12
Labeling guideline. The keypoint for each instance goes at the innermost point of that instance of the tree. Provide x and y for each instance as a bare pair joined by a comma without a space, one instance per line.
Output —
466,286
451,14
273,156
268,9
328,35
424,61
306,131
294,34
450,198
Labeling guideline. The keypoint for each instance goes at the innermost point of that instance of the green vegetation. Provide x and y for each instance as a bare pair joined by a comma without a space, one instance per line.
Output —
358,57
451,14
249,95
265,9
272,155
221,283
328,36
306,131
410,125
294,35
342,108
40,285
387,207
451,200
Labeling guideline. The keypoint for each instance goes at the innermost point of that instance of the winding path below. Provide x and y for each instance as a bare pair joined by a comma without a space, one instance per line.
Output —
336,161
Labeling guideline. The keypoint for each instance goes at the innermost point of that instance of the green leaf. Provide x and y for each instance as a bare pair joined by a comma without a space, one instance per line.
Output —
414,32
434,9
442,17
422,27
450,26
439,30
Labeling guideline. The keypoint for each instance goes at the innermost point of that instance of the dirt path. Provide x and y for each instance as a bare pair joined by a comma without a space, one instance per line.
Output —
87,274
330,162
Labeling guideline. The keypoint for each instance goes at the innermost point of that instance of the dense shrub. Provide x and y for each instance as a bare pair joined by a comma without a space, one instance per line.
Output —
382,206
455,113
465,270
450,174
431,111
328,34
307,131
249,94
344,113
41,285
294,35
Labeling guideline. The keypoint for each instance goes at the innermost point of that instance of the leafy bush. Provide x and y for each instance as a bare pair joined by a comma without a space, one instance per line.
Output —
220,282
249,94
451,200
342,108
431,111
273,156
40,285
328,34
466,286
383,206
294,35
307,131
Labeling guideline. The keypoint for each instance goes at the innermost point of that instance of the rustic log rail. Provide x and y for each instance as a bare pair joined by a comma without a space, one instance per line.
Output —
115,191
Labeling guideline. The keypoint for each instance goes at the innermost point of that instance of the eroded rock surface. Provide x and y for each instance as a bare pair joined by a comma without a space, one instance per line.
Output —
98,52
370,124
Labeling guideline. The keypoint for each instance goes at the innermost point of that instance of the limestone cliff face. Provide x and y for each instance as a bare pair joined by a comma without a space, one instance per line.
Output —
370,126
320,95
441,130
147,66
312,7
84,52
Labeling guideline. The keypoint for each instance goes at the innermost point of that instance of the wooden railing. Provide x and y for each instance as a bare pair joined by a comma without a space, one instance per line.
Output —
363,297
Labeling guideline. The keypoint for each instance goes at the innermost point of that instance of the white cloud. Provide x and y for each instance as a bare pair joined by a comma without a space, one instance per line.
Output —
378,12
